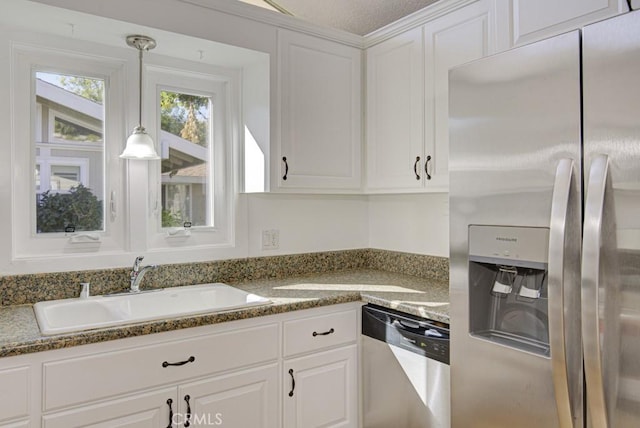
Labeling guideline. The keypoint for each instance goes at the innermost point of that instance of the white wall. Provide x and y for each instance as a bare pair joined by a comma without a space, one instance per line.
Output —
412,223
256,113
307,223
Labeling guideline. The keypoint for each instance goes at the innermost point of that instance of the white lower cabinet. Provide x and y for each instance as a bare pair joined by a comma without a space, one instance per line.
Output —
322,390
226,375
248,398
320,374
14,396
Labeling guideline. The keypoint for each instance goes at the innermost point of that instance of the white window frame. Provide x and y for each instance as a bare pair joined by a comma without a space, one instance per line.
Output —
74,58
221,85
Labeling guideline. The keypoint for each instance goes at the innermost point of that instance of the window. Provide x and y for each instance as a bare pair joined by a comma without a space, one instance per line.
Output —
75,203
68,132
67,145
190,192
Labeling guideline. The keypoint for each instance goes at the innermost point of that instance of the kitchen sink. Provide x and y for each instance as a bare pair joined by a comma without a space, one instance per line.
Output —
69,315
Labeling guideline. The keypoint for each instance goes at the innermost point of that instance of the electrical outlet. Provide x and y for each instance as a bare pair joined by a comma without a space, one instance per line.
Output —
270,239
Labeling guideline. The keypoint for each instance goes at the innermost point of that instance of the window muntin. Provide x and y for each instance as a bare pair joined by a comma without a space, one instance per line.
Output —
186,191
68,134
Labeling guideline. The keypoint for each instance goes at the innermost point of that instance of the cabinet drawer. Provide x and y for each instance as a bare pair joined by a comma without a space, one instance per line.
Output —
319,332
79,380
14,393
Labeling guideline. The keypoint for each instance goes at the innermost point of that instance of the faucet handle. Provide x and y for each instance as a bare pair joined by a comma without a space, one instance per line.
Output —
136,263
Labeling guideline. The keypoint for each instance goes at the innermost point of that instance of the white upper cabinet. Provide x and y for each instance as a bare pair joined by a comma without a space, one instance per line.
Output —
537,19
407,97
395,110
319,139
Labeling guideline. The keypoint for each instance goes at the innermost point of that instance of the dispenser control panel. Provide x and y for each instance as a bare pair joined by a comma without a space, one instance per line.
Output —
514,244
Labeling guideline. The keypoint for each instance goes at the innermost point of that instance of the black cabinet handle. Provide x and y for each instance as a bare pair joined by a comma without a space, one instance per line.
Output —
286,167
169,403
293,383
315,333
188,415
181,363
415,168
426,167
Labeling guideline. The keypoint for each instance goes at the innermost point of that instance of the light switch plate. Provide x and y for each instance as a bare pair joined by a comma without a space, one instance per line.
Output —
270,239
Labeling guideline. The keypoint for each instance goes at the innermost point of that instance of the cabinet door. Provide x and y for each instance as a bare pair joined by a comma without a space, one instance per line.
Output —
14,393
461,36
320,95
320,390
538,19
248,398
395,113
148,410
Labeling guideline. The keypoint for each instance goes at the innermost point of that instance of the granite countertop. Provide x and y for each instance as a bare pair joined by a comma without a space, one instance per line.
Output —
428,298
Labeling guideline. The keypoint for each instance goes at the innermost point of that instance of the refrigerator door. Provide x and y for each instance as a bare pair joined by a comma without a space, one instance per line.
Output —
515,132
611,253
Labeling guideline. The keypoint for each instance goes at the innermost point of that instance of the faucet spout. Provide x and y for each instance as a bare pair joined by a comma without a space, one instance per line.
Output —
137,273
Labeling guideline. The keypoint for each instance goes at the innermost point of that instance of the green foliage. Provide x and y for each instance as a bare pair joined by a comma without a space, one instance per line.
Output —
71,131
92,89
185,115
79,207
170,219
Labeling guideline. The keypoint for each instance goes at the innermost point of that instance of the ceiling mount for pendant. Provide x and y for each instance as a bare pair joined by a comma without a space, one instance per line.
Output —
142,43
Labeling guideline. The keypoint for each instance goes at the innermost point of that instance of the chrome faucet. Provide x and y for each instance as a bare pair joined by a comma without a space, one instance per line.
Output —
137,273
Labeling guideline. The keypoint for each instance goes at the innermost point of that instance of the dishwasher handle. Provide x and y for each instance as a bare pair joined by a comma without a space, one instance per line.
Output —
419,336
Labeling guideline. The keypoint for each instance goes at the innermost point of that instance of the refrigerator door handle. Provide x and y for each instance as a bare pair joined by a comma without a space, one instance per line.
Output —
591,242
557,245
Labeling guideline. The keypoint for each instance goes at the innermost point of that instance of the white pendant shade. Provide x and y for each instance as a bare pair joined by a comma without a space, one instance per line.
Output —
139,146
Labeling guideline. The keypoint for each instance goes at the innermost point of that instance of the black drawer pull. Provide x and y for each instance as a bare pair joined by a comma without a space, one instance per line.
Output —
415,168
181,363
293,383
315,333
169,402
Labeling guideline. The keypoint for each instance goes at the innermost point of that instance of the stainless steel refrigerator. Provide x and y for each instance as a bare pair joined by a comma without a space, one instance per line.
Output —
545,233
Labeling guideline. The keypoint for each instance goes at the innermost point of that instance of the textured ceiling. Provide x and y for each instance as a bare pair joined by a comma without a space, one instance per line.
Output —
355,16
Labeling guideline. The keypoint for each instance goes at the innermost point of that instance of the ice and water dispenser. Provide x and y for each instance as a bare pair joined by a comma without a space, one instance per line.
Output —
508,299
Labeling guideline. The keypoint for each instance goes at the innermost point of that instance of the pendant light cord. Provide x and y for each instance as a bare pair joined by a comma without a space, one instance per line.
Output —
140,89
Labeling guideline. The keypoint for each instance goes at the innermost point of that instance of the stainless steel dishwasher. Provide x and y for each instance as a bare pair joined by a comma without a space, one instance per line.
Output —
405,364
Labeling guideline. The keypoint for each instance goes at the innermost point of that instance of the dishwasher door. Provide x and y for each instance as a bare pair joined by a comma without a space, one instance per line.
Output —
405,370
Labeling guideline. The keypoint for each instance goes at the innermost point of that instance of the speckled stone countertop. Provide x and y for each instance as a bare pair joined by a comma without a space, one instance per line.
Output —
426,297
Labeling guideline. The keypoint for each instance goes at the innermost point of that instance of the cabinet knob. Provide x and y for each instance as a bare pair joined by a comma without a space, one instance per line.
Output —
415,167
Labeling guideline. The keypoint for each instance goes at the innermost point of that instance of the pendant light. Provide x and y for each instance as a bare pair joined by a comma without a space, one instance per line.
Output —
140,144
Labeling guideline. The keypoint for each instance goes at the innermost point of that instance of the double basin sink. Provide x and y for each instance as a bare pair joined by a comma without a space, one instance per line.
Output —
71,315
